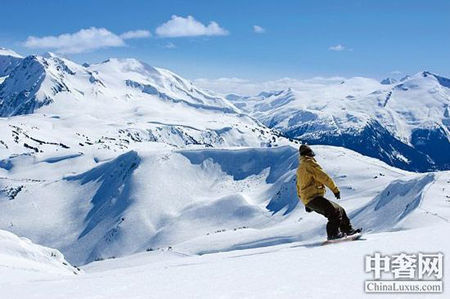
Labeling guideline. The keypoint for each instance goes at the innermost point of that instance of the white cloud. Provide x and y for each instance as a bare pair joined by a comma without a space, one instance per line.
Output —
396,72
170,46
258,29
135,34
83,41
181,27
337,48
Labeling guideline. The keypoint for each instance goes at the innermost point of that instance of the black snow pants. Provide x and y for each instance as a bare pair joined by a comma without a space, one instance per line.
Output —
337,218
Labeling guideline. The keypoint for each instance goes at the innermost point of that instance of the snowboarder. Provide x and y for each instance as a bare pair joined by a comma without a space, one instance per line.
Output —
311,182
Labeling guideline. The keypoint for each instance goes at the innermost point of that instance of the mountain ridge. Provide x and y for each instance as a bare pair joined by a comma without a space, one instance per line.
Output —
413,114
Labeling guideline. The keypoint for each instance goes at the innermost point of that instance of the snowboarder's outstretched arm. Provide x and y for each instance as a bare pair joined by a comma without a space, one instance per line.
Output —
322,177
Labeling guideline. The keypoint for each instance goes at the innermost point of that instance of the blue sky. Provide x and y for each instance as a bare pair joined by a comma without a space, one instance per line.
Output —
369,38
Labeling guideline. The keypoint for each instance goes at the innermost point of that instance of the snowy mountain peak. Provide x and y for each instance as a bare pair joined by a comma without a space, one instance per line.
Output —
50,79
426,74
48,55
273,93
405,78
423,80
144,102
445,82
36,81
388,81
128,65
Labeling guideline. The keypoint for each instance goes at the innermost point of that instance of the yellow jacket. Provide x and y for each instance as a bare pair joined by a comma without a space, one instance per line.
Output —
311,180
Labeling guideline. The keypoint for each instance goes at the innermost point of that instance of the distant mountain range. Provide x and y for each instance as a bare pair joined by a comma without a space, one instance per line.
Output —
406,123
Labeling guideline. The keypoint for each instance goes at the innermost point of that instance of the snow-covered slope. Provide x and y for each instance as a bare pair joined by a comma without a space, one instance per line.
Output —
203,200
292,270
20,258
283,258
388,81
136,170
405,124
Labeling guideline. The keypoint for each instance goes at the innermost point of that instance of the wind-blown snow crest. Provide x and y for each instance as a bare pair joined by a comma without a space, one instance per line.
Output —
393,204
20,257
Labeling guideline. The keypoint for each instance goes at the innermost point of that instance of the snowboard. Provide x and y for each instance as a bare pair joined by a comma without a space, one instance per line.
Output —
344,239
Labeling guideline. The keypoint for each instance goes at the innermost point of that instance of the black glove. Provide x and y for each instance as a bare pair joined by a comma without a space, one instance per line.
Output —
337,195
308,209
